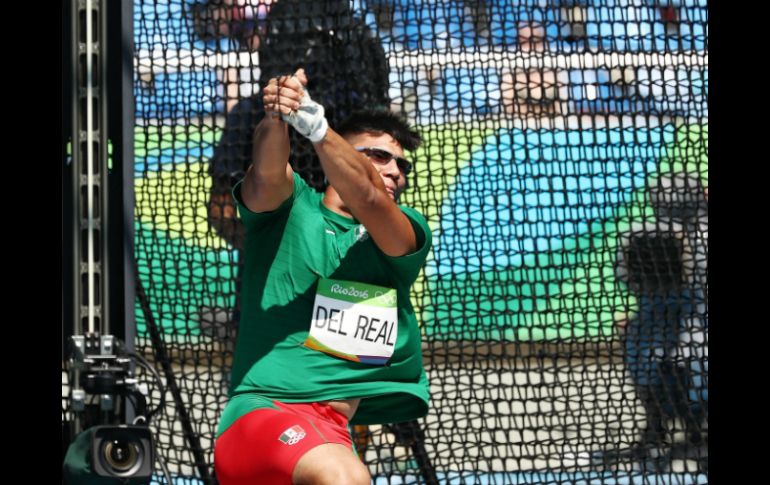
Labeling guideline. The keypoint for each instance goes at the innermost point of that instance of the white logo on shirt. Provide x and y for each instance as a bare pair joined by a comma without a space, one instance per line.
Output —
361,233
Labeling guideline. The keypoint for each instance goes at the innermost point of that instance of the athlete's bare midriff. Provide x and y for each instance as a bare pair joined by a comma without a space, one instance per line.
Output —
347,407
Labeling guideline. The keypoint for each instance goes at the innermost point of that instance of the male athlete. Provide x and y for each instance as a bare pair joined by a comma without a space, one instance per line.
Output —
328,336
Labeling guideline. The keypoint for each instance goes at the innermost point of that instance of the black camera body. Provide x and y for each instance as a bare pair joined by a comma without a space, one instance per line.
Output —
106,451
104,455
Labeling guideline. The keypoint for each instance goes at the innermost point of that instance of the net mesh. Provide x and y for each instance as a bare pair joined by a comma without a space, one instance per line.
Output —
564,172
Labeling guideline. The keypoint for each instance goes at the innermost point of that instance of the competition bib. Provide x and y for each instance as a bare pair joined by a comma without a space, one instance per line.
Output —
354,321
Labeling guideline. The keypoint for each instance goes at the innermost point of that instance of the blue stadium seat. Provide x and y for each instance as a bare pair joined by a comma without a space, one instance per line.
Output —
636,25
471,91
692,32
426,24
178,95
165,26
454,93
624,25
584,91
505,17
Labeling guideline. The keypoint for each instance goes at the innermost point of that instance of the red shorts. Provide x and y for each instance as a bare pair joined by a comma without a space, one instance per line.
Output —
265,445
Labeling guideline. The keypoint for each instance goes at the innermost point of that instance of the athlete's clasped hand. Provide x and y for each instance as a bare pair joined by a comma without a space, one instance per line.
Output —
286,96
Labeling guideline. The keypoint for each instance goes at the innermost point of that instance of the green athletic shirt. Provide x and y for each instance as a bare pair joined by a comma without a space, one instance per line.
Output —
286,251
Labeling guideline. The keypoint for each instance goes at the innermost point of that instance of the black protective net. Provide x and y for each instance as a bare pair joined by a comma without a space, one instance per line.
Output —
564,172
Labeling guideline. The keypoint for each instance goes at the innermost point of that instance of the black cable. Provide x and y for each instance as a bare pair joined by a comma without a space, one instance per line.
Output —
161,387
162,463
159,349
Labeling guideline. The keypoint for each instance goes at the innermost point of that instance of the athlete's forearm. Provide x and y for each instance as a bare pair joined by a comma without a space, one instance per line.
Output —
271,150
349,172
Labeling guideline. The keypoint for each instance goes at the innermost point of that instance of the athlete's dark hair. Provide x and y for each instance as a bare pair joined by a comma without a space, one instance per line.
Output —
380,121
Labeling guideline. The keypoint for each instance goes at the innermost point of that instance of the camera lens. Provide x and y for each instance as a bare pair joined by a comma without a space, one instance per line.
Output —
122,452
121,455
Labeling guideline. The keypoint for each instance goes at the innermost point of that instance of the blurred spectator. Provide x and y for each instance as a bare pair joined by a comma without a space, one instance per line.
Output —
244,23
665,265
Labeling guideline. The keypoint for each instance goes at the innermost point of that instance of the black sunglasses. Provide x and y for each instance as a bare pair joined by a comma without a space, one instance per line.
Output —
383,157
